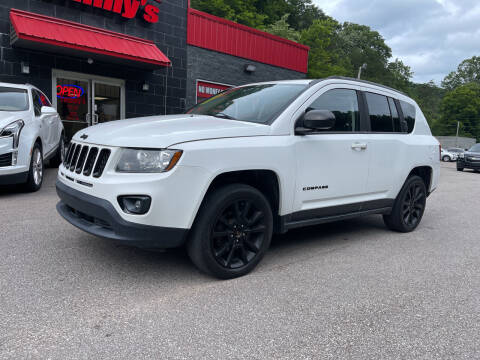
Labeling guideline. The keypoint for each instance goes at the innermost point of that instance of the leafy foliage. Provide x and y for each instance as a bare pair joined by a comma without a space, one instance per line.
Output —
468,71
340,49
282,28
461,105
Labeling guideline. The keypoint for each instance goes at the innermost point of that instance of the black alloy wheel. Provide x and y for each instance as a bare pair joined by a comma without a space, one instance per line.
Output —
409,206
238,234
413,205
232,231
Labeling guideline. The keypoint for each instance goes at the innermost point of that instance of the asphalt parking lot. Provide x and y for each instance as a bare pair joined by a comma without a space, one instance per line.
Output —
346,290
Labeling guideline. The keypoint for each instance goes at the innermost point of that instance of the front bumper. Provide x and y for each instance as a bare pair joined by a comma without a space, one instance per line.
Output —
466,164
98,217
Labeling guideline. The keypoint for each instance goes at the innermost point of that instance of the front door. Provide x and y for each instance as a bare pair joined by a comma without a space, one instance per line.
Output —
84,100
332,166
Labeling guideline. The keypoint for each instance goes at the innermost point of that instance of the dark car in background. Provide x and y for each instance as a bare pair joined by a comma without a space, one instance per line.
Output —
469,159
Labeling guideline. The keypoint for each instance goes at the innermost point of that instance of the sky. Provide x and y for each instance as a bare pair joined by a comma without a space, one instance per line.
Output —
431,36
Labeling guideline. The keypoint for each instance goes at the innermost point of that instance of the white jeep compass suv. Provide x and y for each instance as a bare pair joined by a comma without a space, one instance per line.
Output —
31,132
252,161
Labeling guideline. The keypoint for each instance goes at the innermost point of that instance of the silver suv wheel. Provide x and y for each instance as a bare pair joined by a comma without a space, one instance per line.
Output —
37,166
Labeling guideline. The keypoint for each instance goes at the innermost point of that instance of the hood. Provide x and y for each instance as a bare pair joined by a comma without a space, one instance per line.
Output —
7,117
164,131
471,153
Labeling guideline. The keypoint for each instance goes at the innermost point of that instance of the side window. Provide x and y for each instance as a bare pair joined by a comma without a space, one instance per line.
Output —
397,127
37,103
343,103
409,114
44,100
379,111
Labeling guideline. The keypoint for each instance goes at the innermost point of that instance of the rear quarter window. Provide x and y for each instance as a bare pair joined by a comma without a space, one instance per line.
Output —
409,114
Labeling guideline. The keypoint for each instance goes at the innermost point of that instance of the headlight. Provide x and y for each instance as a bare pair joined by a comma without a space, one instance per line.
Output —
14,129
148,161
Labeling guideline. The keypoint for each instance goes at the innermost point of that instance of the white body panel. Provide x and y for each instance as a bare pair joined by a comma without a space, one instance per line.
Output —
214,146
47,128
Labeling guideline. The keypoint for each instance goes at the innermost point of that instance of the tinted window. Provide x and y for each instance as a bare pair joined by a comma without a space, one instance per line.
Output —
379,110
397,126
475,148
37,102
44,100
343,103
409,113
13,99
256,103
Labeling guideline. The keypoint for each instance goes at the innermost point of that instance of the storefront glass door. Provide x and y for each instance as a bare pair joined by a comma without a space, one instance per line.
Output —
83,100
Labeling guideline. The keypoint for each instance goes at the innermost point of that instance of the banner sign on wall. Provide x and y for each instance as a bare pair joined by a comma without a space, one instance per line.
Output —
206,89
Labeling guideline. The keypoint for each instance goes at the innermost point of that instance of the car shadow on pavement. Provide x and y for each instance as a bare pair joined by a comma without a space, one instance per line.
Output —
174,263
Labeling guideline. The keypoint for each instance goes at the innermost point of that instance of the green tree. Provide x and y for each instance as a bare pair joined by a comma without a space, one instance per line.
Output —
468,71
361,45
324,60
303,14
283,29
241,11
429,97
461,104
398,75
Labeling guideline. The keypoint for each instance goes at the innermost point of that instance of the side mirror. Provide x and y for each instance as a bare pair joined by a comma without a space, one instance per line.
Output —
316,120
48,110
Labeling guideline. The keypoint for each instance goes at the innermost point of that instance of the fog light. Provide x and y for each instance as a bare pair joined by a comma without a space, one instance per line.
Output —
135,205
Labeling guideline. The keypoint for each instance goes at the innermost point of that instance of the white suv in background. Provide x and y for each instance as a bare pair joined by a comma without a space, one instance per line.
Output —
31,132
252,161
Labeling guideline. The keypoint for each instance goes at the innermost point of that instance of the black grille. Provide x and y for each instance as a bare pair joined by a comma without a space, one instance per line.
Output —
86,160
101,163
69,154
92,155
6,160
76,153
81,160
90,219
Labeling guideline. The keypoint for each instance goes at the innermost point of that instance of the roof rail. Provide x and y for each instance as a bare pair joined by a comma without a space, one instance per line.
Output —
360,81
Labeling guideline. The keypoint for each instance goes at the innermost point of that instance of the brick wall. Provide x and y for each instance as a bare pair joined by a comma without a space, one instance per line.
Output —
169,34
222,68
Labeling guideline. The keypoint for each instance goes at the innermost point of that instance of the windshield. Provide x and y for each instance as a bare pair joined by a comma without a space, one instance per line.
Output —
12,99
256,103
475,148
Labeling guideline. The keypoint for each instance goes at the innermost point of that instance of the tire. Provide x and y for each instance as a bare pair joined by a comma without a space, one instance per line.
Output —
447,158
35,173
58,158
459,169
232,232
409,207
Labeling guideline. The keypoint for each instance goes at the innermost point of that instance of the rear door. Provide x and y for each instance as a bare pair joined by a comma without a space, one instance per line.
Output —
388,148
332,166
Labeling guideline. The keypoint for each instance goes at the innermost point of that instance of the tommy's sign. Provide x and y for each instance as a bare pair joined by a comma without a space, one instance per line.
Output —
126,8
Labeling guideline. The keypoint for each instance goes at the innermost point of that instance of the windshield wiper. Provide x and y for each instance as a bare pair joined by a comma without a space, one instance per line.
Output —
224,116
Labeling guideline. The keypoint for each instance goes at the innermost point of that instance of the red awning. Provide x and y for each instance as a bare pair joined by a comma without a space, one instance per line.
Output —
61,36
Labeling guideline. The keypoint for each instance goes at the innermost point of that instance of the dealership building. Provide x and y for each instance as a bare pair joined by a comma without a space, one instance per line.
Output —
102,60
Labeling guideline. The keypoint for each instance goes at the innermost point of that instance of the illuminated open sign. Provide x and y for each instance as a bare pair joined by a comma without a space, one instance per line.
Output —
69,91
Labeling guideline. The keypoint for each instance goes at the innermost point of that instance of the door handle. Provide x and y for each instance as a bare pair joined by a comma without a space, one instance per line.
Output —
359,146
